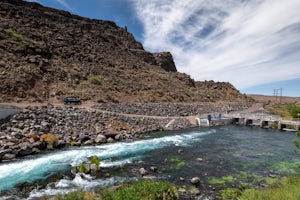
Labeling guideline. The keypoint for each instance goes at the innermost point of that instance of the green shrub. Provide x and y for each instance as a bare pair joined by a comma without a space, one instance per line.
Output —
82,169
14,35
95,80
94,160
293,109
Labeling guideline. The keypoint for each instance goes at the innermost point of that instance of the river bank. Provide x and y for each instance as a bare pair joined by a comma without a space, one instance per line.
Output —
35,129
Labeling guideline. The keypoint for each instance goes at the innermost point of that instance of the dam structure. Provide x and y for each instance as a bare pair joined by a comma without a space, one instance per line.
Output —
262,120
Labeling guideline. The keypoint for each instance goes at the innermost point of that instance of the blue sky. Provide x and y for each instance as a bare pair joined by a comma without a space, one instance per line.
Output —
253,44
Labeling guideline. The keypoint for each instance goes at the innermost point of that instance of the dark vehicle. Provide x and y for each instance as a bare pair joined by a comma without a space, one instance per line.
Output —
72,100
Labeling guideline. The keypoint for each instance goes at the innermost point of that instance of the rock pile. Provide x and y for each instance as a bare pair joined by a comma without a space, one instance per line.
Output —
171,109
36,129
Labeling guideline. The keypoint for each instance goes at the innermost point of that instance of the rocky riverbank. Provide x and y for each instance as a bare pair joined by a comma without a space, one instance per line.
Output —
37,129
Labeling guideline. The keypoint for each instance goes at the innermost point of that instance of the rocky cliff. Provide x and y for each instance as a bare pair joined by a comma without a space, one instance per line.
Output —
47,54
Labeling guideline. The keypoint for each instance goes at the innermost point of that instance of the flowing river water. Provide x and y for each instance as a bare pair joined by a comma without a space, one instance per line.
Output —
221,157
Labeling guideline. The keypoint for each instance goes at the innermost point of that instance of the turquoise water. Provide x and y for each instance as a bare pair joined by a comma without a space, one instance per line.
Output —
225,151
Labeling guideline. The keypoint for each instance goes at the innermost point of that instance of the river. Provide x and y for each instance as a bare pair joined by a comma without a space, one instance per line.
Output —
220,157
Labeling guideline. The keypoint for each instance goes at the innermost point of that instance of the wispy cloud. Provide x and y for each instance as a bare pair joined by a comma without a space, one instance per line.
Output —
62,3
244,42
65,4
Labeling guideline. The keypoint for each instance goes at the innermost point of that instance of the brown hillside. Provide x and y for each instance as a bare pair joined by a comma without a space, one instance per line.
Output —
49,54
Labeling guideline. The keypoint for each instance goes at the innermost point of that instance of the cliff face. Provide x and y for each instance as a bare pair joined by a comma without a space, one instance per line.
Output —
48,54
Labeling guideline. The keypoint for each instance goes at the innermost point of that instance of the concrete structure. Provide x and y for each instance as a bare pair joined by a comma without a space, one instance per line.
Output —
262,120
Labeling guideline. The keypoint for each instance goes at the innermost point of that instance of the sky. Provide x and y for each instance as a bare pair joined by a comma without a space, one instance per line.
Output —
253,44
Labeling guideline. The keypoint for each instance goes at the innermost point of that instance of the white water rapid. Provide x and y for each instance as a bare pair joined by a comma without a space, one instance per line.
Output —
34,168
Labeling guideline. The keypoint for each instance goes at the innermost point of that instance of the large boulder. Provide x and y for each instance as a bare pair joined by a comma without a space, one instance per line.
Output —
100,139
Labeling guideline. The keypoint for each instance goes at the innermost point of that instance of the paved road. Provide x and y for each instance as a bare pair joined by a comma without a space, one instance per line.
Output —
6,111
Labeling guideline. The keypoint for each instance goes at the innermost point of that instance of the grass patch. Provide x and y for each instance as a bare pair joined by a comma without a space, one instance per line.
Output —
229,193
15,36
95,80
77,195
140,190
287,111
146,189
287,189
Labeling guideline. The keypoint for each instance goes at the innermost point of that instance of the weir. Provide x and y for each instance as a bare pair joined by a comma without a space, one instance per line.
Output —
262,120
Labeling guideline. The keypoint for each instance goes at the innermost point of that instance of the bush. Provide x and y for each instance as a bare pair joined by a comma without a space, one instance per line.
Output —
50,139
293,109
94,160
95,80
14,35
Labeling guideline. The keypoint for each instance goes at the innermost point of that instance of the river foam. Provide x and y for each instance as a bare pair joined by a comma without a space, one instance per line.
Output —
117,154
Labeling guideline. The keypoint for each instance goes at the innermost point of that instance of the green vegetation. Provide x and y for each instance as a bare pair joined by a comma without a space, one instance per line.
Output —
221,181
146,189
287,111
295,142
94,160
95,80
73,143
178,163
140,190
287,189
77,195
82,169
297,145
15,36
229,193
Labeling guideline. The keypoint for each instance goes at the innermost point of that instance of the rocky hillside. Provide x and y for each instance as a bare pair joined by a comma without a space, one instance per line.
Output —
47,54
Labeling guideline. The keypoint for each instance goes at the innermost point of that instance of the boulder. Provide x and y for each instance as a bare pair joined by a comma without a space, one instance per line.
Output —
93,168
3,152
100,139
195,192
200,159
9,156
195,180
153,168
110,140
24,151
143,171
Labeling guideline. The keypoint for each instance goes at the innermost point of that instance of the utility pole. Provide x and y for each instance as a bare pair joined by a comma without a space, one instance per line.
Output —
277,93
280,94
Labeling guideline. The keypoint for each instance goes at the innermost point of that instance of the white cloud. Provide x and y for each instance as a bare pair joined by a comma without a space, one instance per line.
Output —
65,4
244,42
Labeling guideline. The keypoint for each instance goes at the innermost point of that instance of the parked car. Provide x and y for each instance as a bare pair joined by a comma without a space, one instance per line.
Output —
72,100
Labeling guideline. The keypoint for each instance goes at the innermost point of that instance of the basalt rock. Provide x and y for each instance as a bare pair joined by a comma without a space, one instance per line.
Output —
48,53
